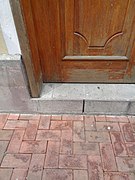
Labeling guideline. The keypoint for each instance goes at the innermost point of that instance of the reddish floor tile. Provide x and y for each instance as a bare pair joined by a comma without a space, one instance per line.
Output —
31,130
57,174
133,127
78,131
131,149
3,147
16,161
73,161
86,148
72,117
108,159
3,119
48,135
15,124
61,125
107,126
52,156
13,116
90,123
120,119
56,117
35,147
16,141
5,134
80,175
95,168
100,118
96,136
36,167
44,122
127,132
19,174
5,174
67,147
126,164
118,144
66,142
116,176
131,119
29,116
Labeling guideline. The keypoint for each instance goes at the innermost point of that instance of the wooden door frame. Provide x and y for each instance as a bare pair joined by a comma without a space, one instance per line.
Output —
26,44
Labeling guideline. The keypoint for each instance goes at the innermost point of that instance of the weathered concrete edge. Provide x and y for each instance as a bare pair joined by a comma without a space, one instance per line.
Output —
109,107
14,96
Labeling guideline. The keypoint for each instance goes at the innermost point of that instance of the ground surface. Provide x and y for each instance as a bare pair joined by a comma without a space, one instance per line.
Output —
67,147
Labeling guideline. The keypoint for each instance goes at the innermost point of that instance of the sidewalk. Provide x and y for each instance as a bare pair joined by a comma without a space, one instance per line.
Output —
68,147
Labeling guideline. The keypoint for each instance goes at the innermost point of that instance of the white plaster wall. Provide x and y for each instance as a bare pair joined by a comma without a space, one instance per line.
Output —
8,28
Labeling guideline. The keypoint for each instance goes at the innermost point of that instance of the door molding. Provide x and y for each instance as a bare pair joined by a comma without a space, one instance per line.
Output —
29,48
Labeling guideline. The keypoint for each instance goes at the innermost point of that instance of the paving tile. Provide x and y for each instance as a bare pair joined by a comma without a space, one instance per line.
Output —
117,176
31,130
99,118
127,132
29,116
118,144
72,117
78,131
86,148
16,141
108,159
90,123
95,168
36,167
126,164
120,119
52,156
35,147
61,125
131,119
48,135
44,122
15,124
73,161
95,136
3,119
16,161
57,174
66,142
5,174
3,147
133,127
107,126
5,134
56,117
80,175
13,116
131,149
66,147
19,174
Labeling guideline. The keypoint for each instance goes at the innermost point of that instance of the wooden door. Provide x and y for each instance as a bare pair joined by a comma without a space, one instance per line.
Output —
85,40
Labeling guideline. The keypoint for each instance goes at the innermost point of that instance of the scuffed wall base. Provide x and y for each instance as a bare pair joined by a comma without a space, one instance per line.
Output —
14,96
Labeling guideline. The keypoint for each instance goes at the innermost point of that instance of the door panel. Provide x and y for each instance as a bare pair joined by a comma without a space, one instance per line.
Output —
85,40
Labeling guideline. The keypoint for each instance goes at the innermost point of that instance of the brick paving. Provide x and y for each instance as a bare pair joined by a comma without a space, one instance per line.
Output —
67,147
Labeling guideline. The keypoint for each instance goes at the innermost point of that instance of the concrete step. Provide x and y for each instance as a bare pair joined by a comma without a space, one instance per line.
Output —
87,98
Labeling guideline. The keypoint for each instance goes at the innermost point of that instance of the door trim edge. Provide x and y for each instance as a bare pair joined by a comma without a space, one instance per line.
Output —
34,84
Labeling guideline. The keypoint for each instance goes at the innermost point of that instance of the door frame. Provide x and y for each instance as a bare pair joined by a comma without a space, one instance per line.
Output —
29,47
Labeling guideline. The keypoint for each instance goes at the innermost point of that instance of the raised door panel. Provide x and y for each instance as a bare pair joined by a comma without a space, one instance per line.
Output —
97,28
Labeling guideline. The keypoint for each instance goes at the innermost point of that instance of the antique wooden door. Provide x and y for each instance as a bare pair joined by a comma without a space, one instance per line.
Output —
84,40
